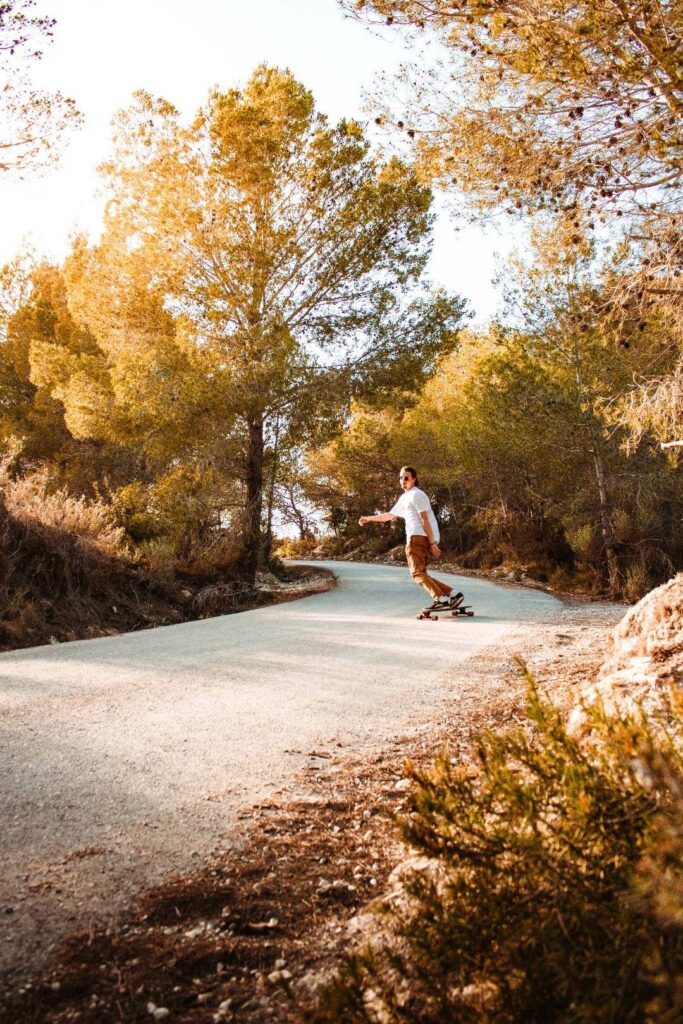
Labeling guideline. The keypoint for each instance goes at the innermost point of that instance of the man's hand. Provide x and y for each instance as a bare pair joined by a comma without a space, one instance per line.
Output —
364,520
434,549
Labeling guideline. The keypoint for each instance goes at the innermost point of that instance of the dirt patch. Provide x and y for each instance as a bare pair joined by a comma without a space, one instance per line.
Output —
245,936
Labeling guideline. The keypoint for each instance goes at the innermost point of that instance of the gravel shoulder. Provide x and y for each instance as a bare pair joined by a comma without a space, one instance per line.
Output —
300,864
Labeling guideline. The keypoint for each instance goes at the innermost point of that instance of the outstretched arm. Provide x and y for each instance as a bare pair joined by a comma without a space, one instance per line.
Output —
381,517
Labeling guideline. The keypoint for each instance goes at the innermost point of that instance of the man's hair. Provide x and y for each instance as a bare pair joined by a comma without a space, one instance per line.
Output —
413,472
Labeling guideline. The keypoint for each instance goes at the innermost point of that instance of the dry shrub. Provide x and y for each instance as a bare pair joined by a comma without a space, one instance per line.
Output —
158,556
213,555
64,572
637,583
553,888
91,523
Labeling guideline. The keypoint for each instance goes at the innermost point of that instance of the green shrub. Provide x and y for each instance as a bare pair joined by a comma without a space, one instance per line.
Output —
637,583
290,547
543,898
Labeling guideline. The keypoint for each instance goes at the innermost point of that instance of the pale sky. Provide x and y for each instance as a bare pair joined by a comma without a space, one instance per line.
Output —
103,52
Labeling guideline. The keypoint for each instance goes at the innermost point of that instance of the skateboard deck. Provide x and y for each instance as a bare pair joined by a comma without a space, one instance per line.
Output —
455,613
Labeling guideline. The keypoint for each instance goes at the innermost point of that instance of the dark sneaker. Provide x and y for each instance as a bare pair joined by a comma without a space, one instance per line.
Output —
456,600
437,606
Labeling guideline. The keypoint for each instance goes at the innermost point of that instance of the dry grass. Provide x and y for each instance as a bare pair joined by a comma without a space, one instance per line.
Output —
66,574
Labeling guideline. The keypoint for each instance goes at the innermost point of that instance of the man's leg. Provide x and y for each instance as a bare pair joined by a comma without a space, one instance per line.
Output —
444,589
417,551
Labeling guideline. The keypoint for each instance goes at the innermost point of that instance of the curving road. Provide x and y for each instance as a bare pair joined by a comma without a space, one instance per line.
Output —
125,758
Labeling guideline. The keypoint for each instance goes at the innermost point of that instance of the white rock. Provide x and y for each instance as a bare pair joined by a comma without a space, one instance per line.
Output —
158,1012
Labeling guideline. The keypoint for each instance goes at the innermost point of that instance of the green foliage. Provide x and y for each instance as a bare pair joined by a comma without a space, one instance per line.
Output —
532,908
258,270
569,108
299,548
516,437
355,472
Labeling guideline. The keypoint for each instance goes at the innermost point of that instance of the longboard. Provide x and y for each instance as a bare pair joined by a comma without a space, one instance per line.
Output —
462,609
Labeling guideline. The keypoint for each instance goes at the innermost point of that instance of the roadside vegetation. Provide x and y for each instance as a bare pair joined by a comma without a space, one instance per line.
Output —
68,572
538,438
552,888
253,344
259,271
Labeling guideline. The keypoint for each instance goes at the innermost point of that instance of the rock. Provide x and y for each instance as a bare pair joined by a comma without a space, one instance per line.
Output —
341,884
223,1011
360,924
645,659
158,1012
402,784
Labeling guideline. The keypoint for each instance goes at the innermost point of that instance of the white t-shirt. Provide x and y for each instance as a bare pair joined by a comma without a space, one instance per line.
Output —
409,506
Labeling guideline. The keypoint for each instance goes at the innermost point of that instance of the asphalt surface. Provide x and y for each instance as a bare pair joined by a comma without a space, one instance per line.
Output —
125,759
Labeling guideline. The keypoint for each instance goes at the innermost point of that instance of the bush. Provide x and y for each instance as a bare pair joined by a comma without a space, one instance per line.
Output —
544,896
290,547
64,570
92,524
212,555
637,583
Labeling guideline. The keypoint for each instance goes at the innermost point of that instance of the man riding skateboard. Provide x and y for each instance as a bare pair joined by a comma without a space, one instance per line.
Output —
422,539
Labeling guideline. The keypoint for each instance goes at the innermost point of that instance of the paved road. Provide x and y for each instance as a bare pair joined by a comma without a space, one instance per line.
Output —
126,758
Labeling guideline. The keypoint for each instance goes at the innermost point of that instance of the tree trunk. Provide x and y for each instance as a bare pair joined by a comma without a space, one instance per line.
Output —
251,551
607,534
605,521
268,542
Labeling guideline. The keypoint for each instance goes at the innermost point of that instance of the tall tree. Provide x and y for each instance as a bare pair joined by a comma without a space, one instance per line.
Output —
287,257
34,121
560,106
